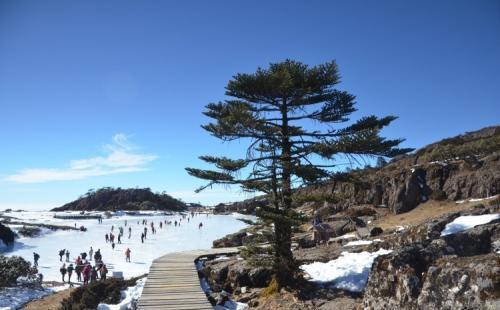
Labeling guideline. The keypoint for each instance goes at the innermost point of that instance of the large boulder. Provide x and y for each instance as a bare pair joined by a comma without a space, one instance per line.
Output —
343,225
396,279
233,274
462,283
407,277
231,240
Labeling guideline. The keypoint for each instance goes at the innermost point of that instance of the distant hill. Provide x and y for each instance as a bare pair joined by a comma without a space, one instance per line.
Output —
112,199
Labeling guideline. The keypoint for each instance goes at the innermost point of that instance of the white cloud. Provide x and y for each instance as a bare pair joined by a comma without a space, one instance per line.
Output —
121,157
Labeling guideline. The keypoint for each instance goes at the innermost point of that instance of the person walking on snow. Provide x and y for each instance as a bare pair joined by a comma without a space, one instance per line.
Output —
86,274
78,270
91,252
93,274
70,272
61,253
36,257
104,272
62,270
97,255
67,256
127,255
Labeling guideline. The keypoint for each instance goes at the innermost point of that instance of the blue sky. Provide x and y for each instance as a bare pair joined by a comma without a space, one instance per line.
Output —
110,93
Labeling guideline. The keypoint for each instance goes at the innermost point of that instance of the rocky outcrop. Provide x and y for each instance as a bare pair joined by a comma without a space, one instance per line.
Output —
402,187
231,240
231,275
462,283
6,235
437,272
248,206
463,167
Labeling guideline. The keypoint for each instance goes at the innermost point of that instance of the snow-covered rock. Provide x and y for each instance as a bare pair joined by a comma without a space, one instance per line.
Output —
465,222
348,272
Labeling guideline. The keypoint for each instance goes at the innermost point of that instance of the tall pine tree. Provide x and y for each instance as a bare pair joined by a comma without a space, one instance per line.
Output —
291,116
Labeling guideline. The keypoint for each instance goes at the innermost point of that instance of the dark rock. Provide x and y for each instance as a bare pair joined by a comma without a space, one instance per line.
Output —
376,231
260,277
304,240
472,242
231,275
28,231
231,240
6,235
408,194
342,225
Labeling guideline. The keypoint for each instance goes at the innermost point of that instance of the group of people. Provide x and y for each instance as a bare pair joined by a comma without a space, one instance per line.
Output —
84,270
144,233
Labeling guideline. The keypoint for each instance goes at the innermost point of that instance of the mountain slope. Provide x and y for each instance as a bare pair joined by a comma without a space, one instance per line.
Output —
463,167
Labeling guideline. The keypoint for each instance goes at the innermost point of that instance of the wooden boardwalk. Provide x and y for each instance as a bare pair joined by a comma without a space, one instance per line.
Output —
173,282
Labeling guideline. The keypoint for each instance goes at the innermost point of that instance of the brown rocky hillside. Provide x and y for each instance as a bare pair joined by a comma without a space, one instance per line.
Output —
458,168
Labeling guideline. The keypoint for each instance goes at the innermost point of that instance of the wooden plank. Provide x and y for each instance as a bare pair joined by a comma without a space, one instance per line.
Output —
173,282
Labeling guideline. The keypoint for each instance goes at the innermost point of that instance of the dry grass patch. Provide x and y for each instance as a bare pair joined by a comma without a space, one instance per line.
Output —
422,213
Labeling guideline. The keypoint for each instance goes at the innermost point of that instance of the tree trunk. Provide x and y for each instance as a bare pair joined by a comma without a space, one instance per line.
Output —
284,262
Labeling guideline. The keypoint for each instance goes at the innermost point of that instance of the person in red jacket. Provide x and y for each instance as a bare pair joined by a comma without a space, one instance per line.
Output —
86,274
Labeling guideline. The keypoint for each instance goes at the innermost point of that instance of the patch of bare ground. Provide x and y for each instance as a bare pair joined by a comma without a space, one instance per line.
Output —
289,301
51,302
422,213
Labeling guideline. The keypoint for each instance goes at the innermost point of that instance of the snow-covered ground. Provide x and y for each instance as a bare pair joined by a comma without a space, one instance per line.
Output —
348,272
128,297
232,305
362,242
462,223
475,199
14,297
187,236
